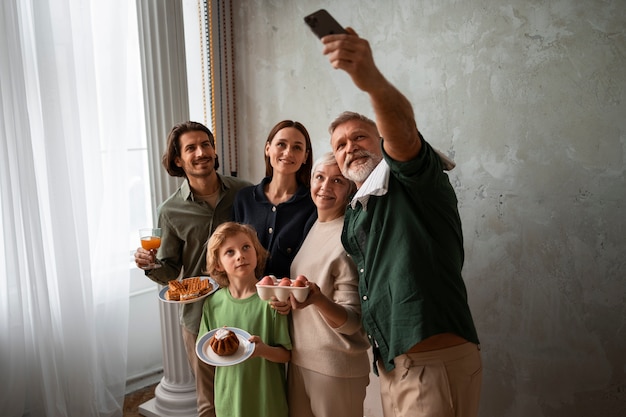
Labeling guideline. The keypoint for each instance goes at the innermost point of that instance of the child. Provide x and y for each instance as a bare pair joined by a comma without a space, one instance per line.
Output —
256,386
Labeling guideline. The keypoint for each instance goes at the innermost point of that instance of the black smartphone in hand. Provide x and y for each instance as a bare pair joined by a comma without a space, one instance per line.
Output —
322,24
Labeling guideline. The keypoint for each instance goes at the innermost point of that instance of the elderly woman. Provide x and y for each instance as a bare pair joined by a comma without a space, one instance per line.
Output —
329,370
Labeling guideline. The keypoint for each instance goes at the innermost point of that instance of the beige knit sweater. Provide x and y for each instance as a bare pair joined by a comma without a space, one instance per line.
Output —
340,352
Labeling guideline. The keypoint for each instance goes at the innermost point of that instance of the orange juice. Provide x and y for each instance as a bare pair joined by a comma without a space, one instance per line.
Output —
150,242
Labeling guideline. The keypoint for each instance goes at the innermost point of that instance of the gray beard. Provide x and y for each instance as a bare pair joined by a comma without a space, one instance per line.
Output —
359,173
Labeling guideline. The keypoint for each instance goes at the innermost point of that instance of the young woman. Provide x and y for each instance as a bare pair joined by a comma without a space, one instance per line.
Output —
280,207
256,386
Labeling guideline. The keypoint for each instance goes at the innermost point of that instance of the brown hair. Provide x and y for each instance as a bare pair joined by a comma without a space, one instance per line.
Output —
303,176
223,232
346,116
173,146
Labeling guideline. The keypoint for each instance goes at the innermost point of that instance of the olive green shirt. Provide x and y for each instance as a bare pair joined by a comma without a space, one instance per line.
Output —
403,231
186,225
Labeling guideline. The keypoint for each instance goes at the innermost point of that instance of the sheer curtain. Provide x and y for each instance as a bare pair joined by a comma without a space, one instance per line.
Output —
69,106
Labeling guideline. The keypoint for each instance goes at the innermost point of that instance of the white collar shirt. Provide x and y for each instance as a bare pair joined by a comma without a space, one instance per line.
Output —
377,183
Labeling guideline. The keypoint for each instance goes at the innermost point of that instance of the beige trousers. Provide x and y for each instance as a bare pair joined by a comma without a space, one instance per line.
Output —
311,394
439,383
204,373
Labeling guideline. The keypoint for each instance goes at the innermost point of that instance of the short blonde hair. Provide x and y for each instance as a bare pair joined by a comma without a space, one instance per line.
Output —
329,159
223,232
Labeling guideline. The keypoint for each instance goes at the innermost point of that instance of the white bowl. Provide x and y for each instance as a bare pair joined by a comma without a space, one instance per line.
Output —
282,292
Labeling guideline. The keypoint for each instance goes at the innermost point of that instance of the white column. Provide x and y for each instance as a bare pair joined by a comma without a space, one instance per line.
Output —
176,393
162,47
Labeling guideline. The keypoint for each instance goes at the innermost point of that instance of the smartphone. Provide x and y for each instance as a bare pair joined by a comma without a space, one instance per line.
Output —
322,24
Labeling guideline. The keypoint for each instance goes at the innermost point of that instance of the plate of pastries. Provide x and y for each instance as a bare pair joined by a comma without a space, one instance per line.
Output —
188,290
224,346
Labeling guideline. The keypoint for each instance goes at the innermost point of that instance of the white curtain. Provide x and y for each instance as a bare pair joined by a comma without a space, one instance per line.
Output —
69,107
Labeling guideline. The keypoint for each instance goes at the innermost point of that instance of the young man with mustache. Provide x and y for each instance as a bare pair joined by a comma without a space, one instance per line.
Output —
188,218
403,230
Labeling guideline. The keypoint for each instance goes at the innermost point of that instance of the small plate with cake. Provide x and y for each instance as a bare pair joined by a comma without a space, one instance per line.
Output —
224,346
188,290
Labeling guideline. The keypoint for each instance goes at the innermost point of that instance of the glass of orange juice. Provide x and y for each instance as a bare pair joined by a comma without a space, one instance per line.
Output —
151,241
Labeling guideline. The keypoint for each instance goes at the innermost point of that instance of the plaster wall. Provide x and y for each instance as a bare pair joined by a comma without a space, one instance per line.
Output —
529,98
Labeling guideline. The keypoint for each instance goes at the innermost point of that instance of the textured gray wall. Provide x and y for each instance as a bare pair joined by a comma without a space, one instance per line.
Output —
529,99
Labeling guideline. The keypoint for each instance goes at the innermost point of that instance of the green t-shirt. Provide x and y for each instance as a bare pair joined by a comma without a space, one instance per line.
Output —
255,387
408,247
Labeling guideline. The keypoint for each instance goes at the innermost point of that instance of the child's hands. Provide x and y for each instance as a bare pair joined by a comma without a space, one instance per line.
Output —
276,354
282,307
258,345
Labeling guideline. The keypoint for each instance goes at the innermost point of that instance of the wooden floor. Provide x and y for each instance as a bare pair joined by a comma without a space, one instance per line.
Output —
133,400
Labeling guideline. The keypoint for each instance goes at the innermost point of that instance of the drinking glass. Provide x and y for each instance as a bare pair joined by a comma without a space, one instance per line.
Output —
151,241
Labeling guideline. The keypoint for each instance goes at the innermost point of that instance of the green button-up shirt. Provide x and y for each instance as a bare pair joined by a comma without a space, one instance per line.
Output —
405,236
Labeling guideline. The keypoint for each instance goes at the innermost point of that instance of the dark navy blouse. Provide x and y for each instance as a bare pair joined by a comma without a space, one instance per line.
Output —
281,228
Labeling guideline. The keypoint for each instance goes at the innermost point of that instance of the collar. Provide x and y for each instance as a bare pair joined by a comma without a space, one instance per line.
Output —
185,190
187,194
377,183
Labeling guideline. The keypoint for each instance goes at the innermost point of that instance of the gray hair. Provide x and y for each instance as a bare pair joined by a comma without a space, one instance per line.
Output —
329,159
346,116
326,159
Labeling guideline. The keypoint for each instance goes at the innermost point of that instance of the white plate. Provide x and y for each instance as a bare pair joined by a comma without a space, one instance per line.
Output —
206,354
193,300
